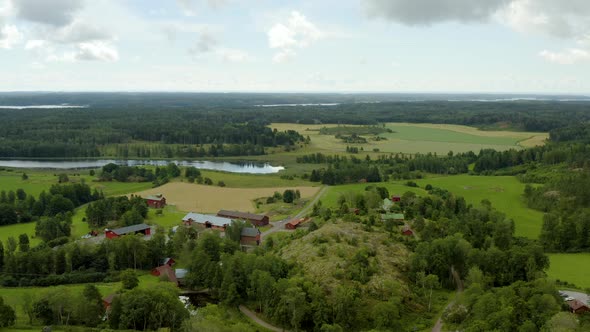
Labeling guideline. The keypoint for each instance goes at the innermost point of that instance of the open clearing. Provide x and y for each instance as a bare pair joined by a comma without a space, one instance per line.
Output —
211,199
421,138
573,268
505,193
330,199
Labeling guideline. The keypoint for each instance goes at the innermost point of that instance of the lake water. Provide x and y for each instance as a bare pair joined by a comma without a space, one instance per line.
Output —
242,167
13,107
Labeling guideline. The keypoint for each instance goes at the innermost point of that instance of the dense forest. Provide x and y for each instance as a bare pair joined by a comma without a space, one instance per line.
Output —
128,128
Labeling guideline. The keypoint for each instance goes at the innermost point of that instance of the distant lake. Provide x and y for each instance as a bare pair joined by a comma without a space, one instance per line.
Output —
14,107
239,167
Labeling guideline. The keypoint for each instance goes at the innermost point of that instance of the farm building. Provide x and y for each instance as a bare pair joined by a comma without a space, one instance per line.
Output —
156,201
578,307
135,229
256,219
406,230
293,224
207,221
250,236
165,271
399,217
396,198
387,204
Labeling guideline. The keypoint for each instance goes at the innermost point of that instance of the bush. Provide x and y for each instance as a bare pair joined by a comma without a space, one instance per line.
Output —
411,184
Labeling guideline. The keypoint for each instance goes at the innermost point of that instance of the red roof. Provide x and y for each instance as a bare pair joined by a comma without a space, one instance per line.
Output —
167,271
109,298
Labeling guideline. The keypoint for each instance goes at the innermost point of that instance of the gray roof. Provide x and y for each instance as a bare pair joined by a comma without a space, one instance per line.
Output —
241,215
203,218
250,231
131,229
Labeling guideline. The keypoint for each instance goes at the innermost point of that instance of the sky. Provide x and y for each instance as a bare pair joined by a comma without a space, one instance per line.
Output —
496,46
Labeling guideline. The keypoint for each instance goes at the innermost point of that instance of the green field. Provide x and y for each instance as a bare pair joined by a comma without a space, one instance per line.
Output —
330,198
416,138
505,193
40,180
573,268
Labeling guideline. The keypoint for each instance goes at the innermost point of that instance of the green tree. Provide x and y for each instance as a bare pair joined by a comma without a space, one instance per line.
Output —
288,196
129,279
131,217
91,308
7,314
23,243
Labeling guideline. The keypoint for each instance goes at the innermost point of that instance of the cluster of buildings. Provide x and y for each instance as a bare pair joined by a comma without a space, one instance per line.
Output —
395,217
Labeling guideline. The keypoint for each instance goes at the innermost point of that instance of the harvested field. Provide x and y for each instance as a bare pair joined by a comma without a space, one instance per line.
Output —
210,199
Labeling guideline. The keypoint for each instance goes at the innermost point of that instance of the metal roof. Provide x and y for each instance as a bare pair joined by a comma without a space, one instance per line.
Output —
250,231
203,218
240,215
131,229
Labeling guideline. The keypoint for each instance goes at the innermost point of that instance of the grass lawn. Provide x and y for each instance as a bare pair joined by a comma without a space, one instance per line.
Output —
15,296
505,193
573,268
169,218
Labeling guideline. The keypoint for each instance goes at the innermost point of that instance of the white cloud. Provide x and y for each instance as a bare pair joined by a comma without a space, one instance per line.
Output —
93,51
97,51
205,43
298,32
51,12
567,57
10,36
35,44
79,32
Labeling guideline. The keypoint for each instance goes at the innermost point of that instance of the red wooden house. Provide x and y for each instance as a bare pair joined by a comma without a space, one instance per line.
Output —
135,229
156,201
250,236
578,307
107,301
396,198
206,221
293,224
165,271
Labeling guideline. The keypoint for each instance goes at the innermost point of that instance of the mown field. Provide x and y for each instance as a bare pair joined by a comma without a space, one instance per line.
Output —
573,268
210,199
505,193
419,138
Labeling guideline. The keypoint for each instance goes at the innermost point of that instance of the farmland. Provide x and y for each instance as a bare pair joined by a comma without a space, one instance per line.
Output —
210,199
504,192
422,138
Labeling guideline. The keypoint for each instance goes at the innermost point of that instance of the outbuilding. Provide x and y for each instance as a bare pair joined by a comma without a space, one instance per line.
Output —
578,307
250,236
257,220
144,229
396,198
165,271
157,201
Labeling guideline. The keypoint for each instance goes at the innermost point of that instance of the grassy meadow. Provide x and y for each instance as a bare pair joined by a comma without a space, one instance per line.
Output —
418,138
330,198
505,193
573,268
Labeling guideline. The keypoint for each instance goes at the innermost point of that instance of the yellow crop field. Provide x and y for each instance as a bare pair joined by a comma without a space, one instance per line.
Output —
210,199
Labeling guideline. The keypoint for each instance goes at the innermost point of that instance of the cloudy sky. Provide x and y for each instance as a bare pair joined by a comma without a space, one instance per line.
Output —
270,45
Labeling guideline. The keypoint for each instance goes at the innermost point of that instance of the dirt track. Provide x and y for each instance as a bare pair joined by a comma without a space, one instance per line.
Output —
210,199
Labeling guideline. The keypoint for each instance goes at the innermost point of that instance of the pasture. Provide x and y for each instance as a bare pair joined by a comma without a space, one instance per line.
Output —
330,198
573,268
504,192
419,138
211,199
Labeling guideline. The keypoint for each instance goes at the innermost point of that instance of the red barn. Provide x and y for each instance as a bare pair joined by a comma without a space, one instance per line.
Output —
406,230
578,307
293,224
250,236
258,220
396,198
167,271
206,221
156,201
169,261
135,229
